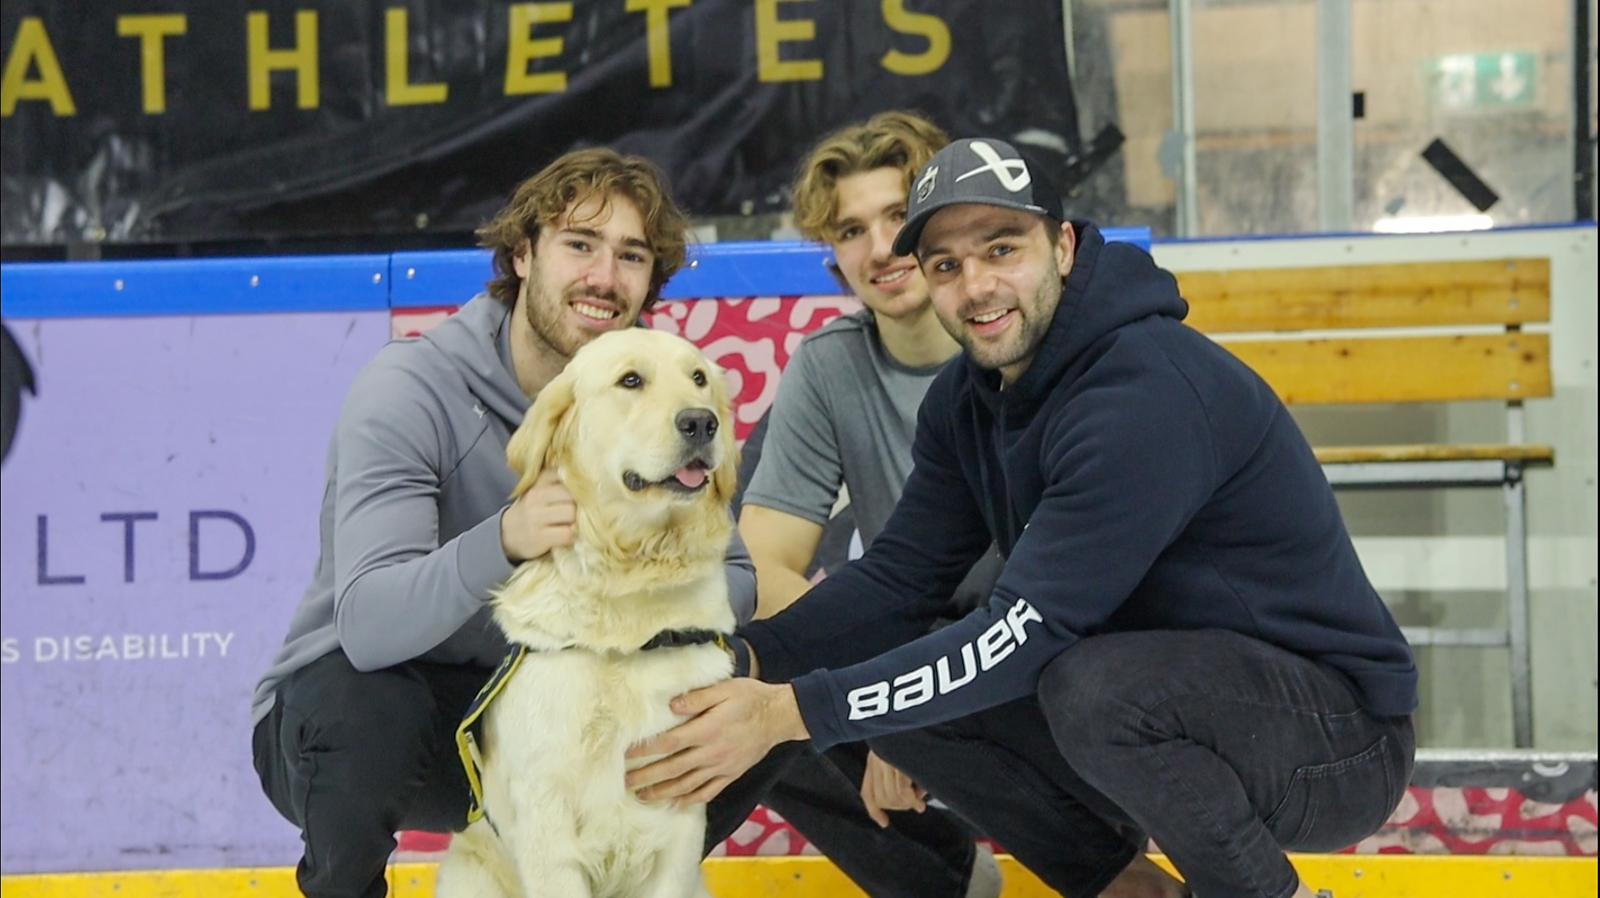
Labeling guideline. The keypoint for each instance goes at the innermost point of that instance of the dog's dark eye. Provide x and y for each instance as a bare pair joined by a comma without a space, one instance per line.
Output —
699,378
631,381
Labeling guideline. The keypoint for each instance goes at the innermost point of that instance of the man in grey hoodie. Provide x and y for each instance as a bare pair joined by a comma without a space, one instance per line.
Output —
355,721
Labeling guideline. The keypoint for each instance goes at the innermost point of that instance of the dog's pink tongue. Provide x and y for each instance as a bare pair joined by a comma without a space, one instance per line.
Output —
691,477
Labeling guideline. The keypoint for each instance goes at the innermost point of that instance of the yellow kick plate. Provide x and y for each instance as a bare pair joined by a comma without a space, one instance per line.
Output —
1345,876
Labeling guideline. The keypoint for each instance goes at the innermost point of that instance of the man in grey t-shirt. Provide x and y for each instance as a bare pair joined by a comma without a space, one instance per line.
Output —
355,721
845,415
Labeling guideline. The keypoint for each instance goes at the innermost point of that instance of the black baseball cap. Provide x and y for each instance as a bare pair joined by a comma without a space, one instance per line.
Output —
975,170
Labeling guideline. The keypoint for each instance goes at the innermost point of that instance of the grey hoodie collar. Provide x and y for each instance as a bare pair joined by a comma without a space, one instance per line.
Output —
470,339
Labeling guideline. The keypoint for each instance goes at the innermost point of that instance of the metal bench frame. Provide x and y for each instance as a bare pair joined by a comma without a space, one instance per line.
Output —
1507,474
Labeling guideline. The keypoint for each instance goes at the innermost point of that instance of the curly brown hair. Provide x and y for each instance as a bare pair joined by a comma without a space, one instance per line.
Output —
568,182
894,139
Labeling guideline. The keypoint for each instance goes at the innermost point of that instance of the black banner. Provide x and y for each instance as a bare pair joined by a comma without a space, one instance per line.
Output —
182,120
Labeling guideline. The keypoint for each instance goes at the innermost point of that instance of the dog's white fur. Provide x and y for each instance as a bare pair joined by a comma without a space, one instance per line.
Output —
644,560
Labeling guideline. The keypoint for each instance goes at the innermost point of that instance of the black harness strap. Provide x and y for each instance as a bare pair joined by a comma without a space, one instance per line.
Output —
467,731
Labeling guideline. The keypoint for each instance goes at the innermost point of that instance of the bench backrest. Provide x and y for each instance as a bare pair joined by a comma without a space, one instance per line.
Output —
1411,332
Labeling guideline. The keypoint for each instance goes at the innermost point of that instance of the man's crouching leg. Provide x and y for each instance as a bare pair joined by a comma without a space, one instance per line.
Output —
1226,750
1001,771
351,757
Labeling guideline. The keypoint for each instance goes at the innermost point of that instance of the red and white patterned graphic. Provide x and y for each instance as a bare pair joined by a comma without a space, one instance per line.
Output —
415,322
752,339
764,834
1473,820
1441,820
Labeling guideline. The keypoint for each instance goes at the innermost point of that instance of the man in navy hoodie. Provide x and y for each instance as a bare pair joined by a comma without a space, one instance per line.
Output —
1182,645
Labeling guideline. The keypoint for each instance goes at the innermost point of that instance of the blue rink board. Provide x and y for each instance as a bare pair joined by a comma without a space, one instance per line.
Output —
373,282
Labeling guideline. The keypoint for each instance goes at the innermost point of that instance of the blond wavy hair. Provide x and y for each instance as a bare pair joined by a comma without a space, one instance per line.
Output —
894,139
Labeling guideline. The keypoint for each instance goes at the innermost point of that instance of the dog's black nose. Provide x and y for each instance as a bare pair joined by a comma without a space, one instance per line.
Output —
698,425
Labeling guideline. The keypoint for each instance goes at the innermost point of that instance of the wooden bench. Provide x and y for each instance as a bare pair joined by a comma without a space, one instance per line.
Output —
1406,333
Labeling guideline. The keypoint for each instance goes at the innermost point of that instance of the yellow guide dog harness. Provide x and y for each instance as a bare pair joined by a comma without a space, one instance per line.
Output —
467,731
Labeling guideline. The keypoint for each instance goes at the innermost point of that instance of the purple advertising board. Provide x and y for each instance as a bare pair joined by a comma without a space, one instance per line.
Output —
160,503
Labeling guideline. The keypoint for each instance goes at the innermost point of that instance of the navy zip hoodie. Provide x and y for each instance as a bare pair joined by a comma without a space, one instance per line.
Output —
1136,477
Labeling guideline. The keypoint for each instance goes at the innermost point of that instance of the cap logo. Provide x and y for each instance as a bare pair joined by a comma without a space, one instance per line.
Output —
1011,173
926,182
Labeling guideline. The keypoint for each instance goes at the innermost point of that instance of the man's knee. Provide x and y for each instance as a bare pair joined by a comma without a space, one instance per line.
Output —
383,722
935,746
897,747
1103,691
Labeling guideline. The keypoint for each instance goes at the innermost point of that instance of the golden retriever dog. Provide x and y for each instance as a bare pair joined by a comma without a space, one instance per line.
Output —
639,428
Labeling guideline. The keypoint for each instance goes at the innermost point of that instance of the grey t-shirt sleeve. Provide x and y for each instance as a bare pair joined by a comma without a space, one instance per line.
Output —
741,580
800,471
397,591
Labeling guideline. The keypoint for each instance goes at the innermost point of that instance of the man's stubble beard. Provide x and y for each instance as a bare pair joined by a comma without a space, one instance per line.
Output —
544,321
547,320
1034,322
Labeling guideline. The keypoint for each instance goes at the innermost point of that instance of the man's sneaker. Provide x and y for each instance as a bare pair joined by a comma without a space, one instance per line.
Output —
985,879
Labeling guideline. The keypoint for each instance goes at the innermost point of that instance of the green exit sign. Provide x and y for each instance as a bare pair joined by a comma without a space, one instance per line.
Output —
1485,81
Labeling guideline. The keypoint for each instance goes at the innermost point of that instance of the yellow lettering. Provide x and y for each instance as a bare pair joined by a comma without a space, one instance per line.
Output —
522,48
32,48
401,92
929,27
300,59
657,45
772,31
152,32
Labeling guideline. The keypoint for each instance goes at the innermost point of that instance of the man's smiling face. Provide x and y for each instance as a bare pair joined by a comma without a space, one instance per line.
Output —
588,273
995,278
872,207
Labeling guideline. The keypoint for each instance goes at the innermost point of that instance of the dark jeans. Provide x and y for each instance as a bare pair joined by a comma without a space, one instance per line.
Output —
1223,749
927,855
352,757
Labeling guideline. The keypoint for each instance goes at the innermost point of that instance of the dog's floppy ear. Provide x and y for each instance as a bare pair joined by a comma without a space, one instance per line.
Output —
530,448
